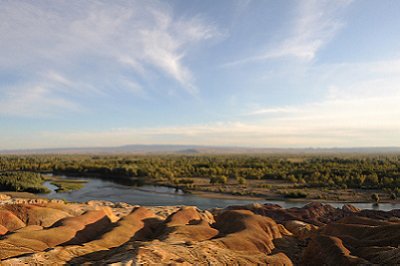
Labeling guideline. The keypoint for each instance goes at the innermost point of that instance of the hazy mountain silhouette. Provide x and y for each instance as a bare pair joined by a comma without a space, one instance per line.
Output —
198,149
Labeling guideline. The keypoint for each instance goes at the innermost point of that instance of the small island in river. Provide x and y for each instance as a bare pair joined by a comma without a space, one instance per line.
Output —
347,178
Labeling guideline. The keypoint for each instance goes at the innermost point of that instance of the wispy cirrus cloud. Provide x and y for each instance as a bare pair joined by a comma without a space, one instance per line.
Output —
35,101
361,112
313,25
95,46
278,110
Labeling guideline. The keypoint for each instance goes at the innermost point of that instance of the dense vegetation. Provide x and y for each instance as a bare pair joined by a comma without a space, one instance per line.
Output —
341,171
66,186
22,181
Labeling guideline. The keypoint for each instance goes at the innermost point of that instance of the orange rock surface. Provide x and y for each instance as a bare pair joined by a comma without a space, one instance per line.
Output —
104,233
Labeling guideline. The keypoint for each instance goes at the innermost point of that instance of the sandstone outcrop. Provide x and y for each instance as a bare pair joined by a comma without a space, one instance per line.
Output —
355,240
10,221
315,213
49,232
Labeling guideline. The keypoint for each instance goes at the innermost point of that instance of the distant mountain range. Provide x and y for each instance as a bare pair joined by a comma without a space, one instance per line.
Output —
198,149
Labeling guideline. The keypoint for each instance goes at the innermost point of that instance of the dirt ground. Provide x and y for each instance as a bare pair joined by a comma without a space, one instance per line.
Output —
260,190
276,189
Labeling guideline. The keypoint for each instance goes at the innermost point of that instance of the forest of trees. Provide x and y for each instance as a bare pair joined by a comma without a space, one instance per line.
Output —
342,171
22,181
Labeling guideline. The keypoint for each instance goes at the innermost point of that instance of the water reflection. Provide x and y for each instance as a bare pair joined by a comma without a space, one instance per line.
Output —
130,191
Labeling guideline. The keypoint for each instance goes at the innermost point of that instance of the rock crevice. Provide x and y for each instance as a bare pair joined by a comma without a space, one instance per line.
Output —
103,233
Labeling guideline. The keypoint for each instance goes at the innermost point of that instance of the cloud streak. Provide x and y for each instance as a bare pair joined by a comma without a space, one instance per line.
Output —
341,121
120,43
352,90
128,72
314,24
35,101
303,132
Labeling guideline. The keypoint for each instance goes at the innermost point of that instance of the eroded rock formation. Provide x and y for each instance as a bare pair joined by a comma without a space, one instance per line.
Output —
104,232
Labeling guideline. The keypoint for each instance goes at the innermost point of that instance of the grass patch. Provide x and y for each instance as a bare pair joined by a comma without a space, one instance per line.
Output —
264,186
66,186
295,194
23,182
186,181
238,193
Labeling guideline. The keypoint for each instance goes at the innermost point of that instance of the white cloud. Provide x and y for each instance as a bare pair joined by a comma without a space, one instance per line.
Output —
360,107
160,49
86,46
360,112
33,102
314,24
66,55
314,27
273,111
327,124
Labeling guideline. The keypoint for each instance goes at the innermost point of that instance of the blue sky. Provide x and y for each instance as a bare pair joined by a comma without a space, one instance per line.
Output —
225,73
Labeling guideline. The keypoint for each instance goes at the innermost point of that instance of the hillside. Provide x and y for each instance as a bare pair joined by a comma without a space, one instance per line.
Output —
37,231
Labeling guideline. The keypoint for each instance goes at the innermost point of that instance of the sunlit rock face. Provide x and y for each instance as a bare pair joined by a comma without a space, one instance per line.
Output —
316,213
104,232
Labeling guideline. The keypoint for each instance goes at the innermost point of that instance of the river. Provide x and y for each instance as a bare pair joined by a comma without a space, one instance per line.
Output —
99,189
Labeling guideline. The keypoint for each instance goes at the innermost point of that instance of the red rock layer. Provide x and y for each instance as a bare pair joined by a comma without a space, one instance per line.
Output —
317,234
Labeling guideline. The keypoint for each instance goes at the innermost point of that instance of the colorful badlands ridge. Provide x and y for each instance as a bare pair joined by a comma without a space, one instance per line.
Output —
48,232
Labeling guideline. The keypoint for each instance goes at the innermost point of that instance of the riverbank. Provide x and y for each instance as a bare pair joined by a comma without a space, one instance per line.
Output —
258,190
282,191
331,197
306,178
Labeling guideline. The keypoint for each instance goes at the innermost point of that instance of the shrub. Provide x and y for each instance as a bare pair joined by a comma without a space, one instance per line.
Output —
241,180
218,179
264,186
186,181
291,178
393,196
375,197
191,186
296,194
238,193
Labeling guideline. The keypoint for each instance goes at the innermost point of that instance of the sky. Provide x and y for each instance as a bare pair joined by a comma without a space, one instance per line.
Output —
263,74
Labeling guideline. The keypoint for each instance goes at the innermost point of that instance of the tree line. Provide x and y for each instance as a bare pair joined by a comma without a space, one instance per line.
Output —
22,181
353,171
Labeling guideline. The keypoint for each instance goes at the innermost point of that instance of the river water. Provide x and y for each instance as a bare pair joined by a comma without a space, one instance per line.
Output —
99,189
